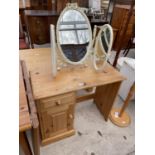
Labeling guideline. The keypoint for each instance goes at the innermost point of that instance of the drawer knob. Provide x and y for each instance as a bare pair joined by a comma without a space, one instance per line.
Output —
58,103
70,116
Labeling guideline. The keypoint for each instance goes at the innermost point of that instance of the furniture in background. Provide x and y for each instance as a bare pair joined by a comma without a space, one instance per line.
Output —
47,12
38,19
22,38
38,25
104,14
28,119
56,99
40,4
119,19
51,5
123,2
55,5
23,5
131,45
123,20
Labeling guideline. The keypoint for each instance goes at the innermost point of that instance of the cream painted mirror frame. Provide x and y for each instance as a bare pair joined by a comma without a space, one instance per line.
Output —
53,50
73,6
58,56
98,41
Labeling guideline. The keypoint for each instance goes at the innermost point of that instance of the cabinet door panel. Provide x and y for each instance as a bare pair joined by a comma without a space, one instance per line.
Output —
46,125
56,119
59,121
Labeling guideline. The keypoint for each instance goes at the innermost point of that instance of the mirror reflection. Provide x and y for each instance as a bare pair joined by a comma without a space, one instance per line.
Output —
103,46
105,40
73,35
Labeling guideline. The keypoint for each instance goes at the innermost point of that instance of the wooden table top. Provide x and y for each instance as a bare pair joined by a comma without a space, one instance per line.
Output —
24,116
38,62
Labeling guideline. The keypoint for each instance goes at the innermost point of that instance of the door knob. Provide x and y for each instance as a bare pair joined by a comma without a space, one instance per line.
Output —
70,116
58,102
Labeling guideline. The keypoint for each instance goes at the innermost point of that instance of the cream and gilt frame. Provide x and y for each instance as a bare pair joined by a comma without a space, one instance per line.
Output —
73,6
99,50
60,61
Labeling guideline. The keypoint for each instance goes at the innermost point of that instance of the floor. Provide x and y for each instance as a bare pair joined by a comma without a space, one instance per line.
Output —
93,135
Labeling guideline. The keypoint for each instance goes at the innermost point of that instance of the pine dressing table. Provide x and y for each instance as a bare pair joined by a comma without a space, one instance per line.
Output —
56,98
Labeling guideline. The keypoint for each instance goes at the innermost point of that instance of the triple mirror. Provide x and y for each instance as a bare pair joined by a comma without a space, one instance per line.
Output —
75,44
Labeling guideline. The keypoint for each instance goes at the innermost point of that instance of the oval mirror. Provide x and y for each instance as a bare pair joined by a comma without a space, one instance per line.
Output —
103,46
73,35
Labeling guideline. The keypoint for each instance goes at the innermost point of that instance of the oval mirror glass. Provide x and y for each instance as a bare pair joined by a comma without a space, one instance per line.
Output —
73,35
103,46
105,40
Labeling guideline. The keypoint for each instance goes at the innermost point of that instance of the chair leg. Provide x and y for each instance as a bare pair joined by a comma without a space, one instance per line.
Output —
126,53
24,143
127,48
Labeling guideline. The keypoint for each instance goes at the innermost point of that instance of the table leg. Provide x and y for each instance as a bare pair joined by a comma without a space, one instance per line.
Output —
105,97
36,141
24,143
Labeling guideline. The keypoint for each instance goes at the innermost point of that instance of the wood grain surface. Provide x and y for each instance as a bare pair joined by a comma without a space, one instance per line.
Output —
38,62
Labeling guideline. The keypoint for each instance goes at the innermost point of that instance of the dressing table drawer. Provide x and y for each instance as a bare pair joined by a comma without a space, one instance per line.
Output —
56,101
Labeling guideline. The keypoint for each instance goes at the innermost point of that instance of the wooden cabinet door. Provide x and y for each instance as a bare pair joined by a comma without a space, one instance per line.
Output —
59,122
53,124
56,115
56,123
